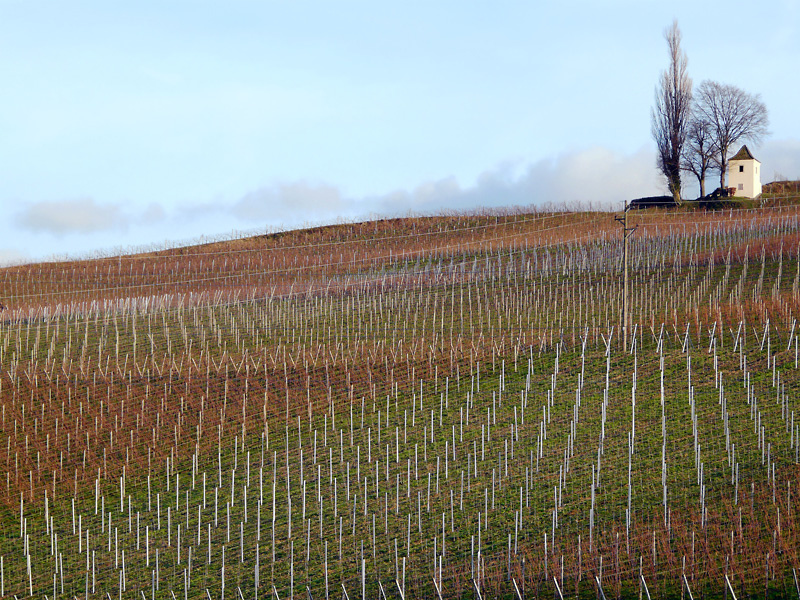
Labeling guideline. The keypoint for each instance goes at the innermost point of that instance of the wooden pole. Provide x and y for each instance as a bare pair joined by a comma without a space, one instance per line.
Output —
626,232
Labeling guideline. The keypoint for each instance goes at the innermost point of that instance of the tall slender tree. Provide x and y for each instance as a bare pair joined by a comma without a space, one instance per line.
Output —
732,115
670,115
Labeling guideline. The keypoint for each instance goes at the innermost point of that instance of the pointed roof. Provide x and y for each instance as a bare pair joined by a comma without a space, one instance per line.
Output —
744,154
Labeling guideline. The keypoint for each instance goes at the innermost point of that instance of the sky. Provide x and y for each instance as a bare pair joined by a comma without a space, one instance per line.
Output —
142,124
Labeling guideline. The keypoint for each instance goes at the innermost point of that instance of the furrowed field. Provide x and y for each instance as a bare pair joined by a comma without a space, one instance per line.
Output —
414,408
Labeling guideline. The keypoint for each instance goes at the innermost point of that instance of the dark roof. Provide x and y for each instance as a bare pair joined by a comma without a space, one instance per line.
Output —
743,154
653,202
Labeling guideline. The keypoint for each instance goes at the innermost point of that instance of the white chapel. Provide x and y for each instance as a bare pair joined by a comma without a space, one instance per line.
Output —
744,174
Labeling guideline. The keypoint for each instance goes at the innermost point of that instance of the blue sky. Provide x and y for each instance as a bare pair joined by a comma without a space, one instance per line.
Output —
128,124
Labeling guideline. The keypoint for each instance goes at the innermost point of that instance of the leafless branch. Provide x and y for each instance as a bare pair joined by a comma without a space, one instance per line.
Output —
733,116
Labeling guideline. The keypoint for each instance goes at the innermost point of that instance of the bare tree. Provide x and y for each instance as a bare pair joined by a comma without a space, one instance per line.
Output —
732,115
699,151
669,117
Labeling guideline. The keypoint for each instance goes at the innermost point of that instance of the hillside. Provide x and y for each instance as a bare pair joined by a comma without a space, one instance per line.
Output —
784,190
411,407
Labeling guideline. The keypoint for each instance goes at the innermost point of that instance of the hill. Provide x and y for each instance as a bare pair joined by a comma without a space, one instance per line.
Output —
786,188
415,406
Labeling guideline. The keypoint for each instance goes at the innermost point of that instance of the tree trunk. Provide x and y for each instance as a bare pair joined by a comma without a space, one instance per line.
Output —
674,185
702,182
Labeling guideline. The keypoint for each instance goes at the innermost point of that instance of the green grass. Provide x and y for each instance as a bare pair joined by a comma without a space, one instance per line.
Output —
683,500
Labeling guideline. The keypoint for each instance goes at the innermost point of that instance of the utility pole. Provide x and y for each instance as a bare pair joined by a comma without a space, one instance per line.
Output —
626,233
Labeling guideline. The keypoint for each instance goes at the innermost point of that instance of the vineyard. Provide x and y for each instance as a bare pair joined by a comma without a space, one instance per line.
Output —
437,407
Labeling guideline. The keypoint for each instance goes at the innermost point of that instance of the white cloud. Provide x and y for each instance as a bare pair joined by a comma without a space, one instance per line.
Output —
82,215
779,158
297,202
154,213
596,176
10,256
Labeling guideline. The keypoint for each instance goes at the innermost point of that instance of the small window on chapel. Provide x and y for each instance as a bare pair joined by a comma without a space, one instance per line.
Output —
741,168
741,186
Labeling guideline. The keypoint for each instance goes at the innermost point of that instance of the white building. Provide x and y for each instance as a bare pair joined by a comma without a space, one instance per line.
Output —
744,174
